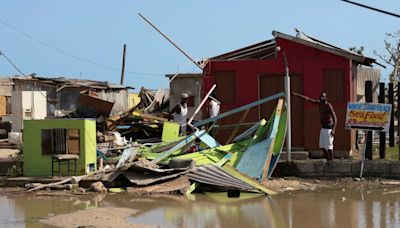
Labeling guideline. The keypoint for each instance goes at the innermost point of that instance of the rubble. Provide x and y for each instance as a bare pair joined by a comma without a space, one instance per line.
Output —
141,151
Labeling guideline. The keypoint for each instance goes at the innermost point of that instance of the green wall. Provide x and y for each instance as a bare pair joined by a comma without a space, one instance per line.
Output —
36,164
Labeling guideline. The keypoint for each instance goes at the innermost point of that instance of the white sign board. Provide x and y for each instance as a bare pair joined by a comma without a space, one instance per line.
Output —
368,116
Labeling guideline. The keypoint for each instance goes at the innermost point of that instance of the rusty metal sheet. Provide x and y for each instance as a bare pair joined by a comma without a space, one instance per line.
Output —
93,107
177,184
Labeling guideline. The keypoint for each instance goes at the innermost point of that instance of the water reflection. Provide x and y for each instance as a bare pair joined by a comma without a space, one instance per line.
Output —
349,208
331,208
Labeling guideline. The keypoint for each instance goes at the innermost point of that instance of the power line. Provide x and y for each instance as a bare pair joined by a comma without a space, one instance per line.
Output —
12,64
71,55
372,8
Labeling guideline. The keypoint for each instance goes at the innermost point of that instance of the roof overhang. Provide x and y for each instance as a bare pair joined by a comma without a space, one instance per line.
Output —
320,45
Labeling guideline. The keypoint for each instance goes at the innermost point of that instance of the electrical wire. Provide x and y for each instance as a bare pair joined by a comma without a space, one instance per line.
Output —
73,56
372,8
12,64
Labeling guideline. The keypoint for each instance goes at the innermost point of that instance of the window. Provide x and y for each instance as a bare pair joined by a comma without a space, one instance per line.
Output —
226,88
60,141
334,85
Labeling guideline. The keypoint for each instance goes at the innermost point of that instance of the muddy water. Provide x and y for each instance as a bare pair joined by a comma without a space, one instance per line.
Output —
329,208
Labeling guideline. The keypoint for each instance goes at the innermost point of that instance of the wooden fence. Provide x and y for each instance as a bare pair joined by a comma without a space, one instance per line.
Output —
386,95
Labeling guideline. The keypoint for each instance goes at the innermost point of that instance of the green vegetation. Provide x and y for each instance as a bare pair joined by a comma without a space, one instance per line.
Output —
392,153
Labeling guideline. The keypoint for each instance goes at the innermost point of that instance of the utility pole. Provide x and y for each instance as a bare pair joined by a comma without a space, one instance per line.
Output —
123,66
172,42
288,110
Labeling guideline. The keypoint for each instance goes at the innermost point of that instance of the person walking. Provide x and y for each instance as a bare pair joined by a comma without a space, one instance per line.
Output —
328,122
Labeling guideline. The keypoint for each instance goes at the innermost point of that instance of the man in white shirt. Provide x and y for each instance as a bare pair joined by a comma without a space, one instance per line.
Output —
213,109
180,113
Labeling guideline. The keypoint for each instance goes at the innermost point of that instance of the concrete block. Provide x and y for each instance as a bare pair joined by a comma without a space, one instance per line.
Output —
338,154
319,165
355,168
295,155
379,168
304,166
395,168
315,154
341,166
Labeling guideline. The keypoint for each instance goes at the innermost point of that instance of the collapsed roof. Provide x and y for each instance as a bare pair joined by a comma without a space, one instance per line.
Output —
74,83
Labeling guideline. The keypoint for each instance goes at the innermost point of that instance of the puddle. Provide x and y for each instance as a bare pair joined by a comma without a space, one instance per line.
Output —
329,208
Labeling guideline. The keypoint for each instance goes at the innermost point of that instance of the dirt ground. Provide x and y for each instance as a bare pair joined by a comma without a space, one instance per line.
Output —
312,184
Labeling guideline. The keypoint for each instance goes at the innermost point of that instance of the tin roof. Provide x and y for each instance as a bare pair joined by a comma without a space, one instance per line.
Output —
267,49
69,82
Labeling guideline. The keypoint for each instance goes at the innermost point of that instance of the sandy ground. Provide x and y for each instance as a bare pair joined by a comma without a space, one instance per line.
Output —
96,217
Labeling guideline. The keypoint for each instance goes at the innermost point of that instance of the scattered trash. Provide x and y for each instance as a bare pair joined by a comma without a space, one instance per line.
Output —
98,187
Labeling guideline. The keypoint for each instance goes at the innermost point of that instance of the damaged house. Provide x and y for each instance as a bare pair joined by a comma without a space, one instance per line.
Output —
66,95
257,71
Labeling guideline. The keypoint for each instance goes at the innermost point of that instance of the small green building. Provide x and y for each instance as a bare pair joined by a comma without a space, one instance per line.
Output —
47,142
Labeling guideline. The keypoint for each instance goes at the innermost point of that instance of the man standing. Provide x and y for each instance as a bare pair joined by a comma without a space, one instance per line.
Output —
180,113
213,109
328,122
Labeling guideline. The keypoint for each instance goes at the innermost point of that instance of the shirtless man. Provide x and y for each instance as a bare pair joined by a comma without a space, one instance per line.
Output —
328,122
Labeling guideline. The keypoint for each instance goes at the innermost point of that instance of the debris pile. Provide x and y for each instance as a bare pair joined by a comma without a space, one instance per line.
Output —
142,152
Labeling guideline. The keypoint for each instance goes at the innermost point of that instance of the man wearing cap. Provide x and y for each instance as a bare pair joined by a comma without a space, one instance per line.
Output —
180,113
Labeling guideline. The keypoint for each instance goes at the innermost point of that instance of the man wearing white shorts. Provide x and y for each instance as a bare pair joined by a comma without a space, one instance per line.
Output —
328,121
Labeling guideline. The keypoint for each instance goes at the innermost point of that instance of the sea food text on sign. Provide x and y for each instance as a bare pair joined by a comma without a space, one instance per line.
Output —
368,115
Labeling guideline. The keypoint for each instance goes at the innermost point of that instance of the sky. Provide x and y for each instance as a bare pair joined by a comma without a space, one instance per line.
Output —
84,38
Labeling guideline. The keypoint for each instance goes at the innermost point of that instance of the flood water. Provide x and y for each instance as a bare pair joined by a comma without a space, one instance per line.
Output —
363,207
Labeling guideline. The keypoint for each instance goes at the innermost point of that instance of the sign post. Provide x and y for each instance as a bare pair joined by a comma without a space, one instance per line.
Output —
368,117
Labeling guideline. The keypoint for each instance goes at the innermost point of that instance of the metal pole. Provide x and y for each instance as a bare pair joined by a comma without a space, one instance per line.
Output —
172,42
288,111
123,65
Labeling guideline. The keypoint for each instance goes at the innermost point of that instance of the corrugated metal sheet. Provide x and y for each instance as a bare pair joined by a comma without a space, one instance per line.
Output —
367,74
215,175
70,82
93,107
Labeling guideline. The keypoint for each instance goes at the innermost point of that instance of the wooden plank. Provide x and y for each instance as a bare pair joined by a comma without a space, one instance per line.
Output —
201,104
391,128
277,117
126,155
368,98
232,171
234,132
242,108
73,141
382,135
151,117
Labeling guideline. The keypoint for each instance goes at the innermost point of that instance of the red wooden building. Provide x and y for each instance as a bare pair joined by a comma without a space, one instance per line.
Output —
251,73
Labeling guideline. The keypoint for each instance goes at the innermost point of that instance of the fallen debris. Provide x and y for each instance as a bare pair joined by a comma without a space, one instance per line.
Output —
98,187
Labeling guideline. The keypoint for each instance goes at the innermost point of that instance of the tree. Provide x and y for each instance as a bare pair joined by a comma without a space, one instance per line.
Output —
392,57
